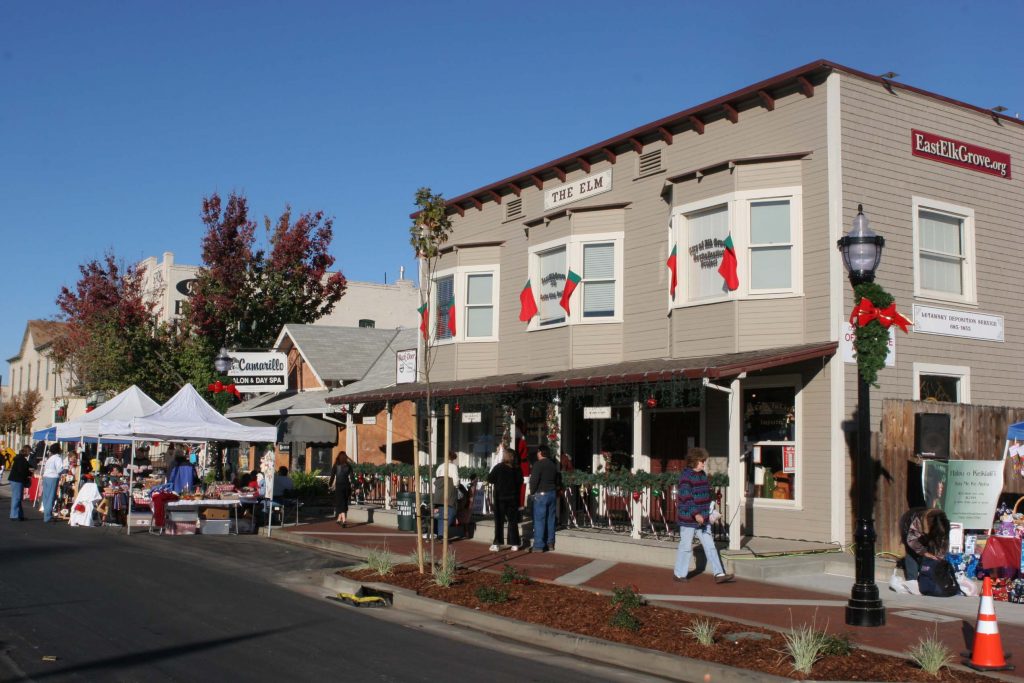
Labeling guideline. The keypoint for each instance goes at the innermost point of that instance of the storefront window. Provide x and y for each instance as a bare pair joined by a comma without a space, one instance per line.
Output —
769,435
481,433
617,439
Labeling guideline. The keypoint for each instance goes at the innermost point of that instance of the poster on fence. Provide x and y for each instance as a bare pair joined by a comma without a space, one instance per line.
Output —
966,490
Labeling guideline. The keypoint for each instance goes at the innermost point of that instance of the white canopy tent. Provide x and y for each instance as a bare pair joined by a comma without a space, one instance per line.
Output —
132,402
185,417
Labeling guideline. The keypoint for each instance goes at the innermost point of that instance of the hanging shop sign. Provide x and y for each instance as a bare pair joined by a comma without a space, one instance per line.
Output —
597,413
405,372
957,153
575,190
258,371
471,418
952,323
850,335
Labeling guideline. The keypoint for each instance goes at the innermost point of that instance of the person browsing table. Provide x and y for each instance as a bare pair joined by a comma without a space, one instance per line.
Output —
544,488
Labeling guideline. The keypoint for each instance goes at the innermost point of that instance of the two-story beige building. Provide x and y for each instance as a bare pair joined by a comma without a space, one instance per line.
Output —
744,349
33,369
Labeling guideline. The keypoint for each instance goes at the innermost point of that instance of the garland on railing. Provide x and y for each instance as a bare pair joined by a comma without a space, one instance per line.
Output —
872,317
634,481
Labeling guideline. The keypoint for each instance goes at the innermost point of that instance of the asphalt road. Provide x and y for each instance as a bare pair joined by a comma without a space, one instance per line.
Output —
95,604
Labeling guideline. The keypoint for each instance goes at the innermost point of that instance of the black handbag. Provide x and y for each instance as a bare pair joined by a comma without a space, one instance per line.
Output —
936,579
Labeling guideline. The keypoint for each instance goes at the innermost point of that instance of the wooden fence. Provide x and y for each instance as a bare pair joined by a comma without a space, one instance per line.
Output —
976,433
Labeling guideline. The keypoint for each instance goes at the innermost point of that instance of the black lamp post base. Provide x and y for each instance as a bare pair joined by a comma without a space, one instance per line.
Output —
865,615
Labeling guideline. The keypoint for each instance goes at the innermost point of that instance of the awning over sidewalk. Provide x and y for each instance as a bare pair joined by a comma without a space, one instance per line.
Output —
651,370
307,429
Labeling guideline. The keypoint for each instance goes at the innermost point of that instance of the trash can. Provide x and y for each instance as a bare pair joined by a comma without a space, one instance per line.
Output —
406,502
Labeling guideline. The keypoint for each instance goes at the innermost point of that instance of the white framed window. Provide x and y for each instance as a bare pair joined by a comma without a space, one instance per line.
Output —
944,261
942,383
771,423
597,260
479,305
552,269
767,237
471,294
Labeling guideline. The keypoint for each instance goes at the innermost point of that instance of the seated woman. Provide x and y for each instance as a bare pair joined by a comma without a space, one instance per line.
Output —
925,534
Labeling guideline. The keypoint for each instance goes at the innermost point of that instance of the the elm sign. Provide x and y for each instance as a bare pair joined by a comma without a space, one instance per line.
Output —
957,153
575,190
258,371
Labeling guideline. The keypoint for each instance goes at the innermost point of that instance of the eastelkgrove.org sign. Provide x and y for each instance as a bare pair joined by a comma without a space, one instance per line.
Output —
957,153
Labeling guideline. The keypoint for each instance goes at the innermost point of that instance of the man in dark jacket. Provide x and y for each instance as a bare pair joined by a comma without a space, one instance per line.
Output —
544,488
19,478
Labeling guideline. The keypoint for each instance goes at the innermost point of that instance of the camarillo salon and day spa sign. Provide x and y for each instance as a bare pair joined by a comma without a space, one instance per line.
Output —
957,153
258,371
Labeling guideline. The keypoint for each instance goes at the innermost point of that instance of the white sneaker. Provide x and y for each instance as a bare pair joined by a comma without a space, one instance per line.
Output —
514,549
494,548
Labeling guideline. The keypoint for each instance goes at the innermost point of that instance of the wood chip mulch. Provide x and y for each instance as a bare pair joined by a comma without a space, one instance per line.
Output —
589,613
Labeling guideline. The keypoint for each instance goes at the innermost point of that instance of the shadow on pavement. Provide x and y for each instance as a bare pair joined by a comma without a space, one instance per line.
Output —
148,657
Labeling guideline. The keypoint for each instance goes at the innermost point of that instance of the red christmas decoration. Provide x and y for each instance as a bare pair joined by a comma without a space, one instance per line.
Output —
652,402
636,496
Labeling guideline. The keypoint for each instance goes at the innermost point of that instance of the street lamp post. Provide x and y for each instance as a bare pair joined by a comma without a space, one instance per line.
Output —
862,252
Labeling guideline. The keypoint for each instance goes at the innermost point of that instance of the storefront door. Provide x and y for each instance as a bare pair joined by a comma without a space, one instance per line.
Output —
673,432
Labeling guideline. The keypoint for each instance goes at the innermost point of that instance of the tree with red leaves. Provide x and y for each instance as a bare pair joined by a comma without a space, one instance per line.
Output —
107,316
242,295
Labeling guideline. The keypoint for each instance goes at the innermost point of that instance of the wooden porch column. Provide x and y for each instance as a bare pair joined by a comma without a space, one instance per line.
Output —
389,442
736,487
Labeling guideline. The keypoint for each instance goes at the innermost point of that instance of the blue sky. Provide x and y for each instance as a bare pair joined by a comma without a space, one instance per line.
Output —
118,117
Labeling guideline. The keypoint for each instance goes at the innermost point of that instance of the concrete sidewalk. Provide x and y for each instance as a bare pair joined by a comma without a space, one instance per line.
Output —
777,603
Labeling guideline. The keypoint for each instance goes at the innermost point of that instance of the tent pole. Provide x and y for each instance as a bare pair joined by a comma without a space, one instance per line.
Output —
131,481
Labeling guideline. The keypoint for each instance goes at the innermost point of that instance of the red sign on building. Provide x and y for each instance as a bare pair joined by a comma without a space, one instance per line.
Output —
957,153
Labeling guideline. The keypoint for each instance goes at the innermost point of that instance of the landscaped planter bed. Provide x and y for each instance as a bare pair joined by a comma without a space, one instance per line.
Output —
589,613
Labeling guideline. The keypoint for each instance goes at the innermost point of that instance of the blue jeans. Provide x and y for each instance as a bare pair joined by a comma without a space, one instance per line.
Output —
17,491
544,505
685,551
439,518
49,495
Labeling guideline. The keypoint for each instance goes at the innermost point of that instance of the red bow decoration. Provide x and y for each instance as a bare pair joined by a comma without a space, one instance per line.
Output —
865,312
219,386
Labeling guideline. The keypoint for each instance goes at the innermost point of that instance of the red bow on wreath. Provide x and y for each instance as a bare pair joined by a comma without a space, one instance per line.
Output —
865,312
219,386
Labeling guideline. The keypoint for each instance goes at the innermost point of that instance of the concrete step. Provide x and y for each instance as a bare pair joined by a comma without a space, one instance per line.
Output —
618,546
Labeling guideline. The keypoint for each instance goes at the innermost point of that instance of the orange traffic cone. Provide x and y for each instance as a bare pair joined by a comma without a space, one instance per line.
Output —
987,654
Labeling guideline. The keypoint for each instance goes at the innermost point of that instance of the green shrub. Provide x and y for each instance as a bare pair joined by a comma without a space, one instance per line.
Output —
491,595
444,574
511,575
623,618
702,630
805,646
381,561
627,596
309,485
836,645
931,654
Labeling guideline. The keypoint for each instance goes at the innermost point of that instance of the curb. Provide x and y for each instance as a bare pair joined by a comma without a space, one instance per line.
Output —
599,649
616,654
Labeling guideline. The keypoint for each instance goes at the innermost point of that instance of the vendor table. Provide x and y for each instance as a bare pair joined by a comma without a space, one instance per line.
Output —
232,504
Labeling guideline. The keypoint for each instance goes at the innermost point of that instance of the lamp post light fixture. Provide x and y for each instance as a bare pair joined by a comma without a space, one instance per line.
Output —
862,252
222,363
